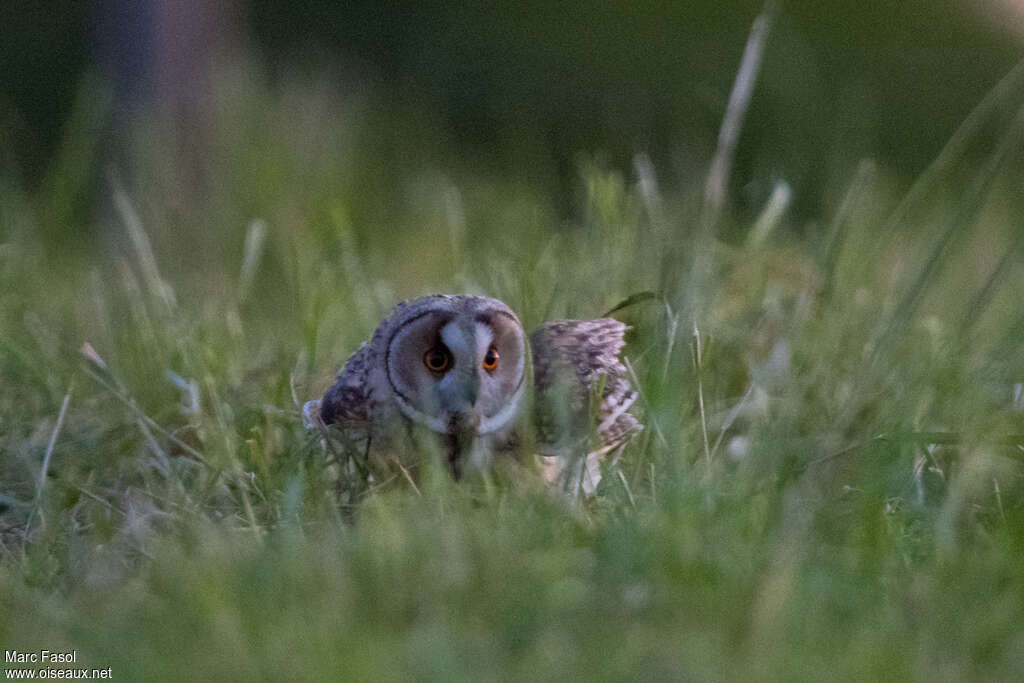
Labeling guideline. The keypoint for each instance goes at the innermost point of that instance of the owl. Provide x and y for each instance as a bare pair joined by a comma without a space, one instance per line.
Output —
460,375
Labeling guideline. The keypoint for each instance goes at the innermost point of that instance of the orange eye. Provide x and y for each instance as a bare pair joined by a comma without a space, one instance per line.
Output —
437,359
491,360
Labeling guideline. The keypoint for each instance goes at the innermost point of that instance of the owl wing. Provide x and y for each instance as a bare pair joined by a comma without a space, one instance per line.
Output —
347,401
573,360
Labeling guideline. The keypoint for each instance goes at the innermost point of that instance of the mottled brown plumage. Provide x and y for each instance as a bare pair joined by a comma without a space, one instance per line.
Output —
388,394
573,360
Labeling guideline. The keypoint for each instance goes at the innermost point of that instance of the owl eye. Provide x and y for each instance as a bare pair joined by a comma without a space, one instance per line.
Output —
491,359
437,359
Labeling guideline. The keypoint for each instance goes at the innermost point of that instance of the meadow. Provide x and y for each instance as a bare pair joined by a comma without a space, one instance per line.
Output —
829,485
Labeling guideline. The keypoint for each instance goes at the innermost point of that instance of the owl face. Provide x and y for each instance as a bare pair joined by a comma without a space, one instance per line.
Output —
458,364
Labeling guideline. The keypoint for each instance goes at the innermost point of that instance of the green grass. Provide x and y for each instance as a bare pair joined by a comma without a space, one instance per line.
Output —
854,513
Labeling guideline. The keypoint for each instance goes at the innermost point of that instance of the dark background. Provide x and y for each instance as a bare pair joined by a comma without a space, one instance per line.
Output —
524,89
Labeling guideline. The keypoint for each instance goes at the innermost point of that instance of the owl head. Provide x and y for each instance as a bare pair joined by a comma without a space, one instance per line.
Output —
456,363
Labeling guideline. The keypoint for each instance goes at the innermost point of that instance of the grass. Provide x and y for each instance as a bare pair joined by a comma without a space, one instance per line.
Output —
829,486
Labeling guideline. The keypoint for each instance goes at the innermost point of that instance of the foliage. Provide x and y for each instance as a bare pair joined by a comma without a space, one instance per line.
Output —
829,485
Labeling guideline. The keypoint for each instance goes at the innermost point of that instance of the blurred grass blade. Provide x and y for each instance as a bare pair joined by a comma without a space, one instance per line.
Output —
838,229
106,379
158,288
255,236
771,214
979,304
697,351
717,184
69,178
962,219
1011,445
647,184
44,470
630,300
694,291
1011,84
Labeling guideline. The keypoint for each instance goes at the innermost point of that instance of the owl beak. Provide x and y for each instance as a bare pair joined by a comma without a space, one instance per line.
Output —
465,422
469,390
463,416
